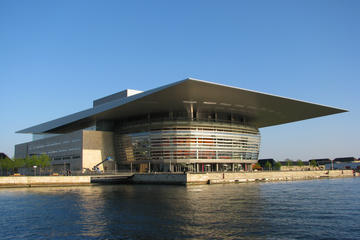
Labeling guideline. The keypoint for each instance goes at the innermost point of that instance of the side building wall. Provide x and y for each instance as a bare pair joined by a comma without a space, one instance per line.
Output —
76,151
97,146
64,150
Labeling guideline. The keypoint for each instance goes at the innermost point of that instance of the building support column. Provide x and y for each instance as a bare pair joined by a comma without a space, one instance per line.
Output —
217,167
149,169
171,115
191,112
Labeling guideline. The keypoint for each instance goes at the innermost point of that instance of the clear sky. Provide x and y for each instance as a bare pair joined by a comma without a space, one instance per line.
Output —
58,56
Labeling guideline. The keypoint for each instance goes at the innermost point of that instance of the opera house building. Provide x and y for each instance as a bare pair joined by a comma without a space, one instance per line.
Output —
189,125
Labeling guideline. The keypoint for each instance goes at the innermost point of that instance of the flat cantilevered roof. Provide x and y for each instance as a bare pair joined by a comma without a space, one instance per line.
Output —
261,110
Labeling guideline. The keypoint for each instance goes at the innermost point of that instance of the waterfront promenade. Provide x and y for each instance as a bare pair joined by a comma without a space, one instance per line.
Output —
172,178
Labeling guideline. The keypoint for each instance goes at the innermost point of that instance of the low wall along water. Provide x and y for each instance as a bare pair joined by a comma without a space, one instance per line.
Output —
43,180
232,177
229,177
175,178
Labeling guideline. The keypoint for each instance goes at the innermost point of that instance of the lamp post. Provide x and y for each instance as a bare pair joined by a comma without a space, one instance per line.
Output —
34,170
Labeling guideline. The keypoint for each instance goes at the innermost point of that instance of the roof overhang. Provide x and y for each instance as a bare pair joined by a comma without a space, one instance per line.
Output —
261,109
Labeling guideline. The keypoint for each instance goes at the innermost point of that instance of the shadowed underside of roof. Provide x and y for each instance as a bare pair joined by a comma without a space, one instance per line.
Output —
261,109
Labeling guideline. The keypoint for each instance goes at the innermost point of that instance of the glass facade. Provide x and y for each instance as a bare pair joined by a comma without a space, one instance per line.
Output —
188,142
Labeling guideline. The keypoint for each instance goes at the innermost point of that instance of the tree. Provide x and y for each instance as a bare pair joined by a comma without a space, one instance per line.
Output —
18,163
313,163
43,161
300,163
256,166
6,164
31,161
268,165
288,162
277,166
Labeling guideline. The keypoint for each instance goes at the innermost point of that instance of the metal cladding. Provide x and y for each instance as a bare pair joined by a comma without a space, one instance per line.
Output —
259,109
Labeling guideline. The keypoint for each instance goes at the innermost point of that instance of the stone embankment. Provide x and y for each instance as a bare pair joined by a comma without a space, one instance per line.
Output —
236,177
172,178
265,176
32,181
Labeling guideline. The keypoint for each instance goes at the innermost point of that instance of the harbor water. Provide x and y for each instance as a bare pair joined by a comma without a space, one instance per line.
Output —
313,209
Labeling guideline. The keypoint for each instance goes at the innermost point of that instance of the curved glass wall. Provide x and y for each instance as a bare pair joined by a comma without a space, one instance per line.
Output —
188,142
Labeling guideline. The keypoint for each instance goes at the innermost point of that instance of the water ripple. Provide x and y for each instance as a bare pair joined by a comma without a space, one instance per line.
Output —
319,209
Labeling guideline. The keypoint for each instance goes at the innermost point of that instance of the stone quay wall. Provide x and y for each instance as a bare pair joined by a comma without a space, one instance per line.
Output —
159,178
13,181
229,177
177,178
234,177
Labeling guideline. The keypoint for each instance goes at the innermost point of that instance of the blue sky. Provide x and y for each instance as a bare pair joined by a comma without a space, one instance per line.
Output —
57,56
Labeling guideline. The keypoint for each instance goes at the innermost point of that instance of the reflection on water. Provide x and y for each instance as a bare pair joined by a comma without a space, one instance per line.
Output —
319,209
